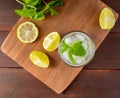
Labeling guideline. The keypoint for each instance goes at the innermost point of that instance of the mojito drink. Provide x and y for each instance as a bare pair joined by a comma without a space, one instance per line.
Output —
76,49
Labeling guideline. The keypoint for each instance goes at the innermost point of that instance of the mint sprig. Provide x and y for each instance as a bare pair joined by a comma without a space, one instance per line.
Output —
64,46
75,48
78,49
36,9
71,57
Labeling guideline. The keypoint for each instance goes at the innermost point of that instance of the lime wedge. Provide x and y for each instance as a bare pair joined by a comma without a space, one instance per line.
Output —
39,58
27,32
106,19
51,41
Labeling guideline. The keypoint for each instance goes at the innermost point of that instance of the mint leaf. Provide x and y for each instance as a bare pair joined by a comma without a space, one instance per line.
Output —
77,49
39,6
54,3
64,46
39,16
31,2
74,48
71,57
53,12
35,10
26,12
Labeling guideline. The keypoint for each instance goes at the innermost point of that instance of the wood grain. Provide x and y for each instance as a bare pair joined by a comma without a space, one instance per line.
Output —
7,15
108,54
95,83
58,76
88,84
5,61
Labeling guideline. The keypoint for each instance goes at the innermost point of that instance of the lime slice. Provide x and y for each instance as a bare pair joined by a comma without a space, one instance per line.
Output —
106,19
39,58
27,32
51,41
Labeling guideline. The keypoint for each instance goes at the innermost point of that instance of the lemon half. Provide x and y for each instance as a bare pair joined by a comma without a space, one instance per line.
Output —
39,58
106,19
27,32
51,41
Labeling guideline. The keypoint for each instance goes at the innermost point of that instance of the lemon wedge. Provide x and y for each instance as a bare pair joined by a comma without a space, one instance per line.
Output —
51,41
106,19
27,32
39,58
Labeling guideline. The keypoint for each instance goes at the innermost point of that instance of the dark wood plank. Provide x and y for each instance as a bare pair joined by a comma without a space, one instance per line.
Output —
108,54
7,15
17,83
95,84
3,35
5,61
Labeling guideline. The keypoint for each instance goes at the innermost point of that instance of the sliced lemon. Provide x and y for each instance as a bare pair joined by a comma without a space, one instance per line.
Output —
51,41
39,58
106,19
27,32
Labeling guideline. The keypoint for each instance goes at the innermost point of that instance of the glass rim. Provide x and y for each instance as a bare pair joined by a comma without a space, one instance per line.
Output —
91,41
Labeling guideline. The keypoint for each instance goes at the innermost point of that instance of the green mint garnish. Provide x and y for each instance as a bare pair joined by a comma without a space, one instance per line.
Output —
75,48
64,46
71,57
36,9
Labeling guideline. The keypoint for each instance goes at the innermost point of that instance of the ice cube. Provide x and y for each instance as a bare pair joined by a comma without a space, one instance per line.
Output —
85,45
65,56
68,40
77,59
81,38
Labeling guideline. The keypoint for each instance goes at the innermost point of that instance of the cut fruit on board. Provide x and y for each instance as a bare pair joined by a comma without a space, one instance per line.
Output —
27,32
107,19
51,41
83,16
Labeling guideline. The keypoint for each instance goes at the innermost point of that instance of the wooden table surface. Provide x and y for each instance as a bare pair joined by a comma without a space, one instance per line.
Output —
100,79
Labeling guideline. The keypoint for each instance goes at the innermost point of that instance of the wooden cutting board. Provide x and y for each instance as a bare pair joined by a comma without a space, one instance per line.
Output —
74,15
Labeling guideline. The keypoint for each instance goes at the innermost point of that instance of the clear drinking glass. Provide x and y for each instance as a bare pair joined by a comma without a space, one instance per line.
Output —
76,49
